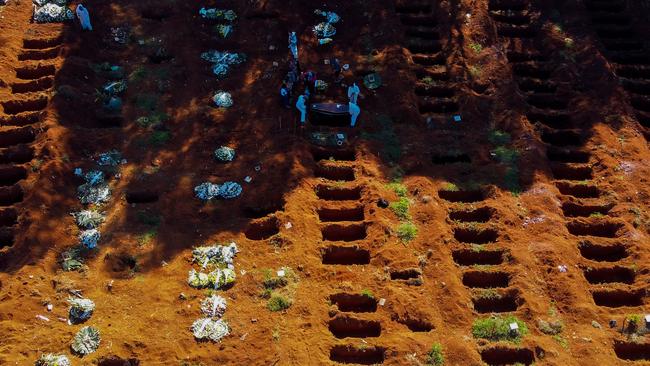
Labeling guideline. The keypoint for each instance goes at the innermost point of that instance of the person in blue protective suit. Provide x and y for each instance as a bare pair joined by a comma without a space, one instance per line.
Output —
293,44
301,104
284,95
354,111
353,93
84,17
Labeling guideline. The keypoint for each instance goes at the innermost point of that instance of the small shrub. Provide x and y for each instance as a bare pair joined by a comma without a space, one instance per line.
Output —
435,356
451,187
497,329
147,102
399,188
476,47
278,303
497,137
159,138
367,293
550,328
407,231
401,208
475,71
272,282
148,218
147,237
506,155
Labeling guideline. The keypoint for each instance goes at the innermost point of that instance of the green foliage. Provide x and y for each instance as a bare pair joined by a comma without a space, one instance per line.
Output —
271,281
497,137
407,231
451,187
391,146
367,293
159,138
138,75
278,303
497,328
435,357
506,155
147,237
148,218
511,180
550,328
147,102
476,47
154,118
399,188
401,208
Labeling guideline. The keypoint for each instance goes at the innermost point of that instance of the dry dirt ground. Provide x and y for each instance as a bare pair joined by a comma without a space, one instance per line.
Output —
534,205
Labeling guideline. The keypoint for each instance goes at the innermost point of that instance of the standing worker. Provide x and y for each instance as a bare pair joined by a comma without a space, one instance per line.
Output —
302,107
84,17
284,95
354,111
293,45
353,93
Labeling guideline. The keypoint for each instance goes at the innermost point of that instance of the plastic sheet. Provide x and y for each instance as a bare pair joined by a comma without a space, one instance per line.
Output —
222,61
89,238
223,99
230,190
81,310
224,154
206,191
88,219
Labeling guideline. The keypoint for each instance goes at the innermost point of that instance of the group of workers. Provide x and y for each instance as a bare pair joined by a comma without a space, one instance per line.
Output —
309,85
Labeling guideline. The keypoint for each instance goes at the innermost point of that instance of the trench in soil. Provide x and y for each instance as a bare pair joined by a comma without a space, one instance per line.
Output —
355,303
632,351
600,229
603,253
486,279
366,355
262,229
497,356
615,274
462,196
331,193
335,172
344,327
339,255
482,214
618,298
468,257
476,236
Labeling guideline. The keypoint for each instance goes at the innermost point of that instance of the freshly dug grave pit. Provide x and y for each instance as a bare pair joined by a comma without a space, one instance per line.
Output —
422,32
355,303
578,190
18,154
476,236
443,159
430,60
505,5
571,172
425,90
22,119
35,72
531,70
332,193
537,86
603,253
486,279
6,237
442,106
461,196
407,7
550,119
351,232
468,257
415,324
619,298
11,195
632,351
515,56
562,137
118,361
615,274
12,175
572,209
482,214
335,172
418,20
567,156
8,216
498,356
367,355
333,154
516,31
405,274
38,55
37,85
503,303
42,43
604,229
263,228
349,327
25,105
327,214
141,196
423,45
338,255
262,209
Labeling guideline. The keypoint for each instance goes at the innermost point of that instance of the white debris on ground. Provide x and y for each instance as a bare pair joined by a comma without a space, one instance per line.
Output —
324,31
218,255
216,279
223,99
213,306
81,309
210,329
52,11
224,154
50,359
88,219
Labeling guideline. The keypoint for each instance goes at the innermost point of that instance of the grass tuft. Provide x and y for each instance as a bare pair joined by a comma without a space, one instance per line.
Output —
497,328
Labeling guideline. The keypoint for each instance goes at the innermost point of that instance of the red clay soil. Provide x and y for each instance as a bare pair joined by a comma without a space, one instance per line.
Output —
486,243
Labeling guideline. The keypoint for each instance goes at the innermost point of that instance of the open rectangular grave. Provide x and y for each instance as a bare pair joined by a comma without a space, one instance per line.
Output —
350,327
603,253
502,355
24,135
441,158
349,232
436,91
465,196
10,175
481,214
414,323
11,195
531,70
550,118
469,257
141,196
334,193
33,85
333,154
38,55
366,355
334,214
571,172
616,298
6,237
18,106
616,274
573,209
486,279
354,303
344,255
263,228
412,7
604,229
22,119
335,172
8,216
578,190
496,302
562,138
475,235
440,106
118,361
33,72
632,351
42,43
567,155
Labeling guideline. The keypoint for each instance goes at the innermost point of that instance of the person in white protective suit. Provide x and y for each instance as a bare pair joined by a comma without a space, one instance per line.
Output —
84,17
293,44
354,111
302,107
353,93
